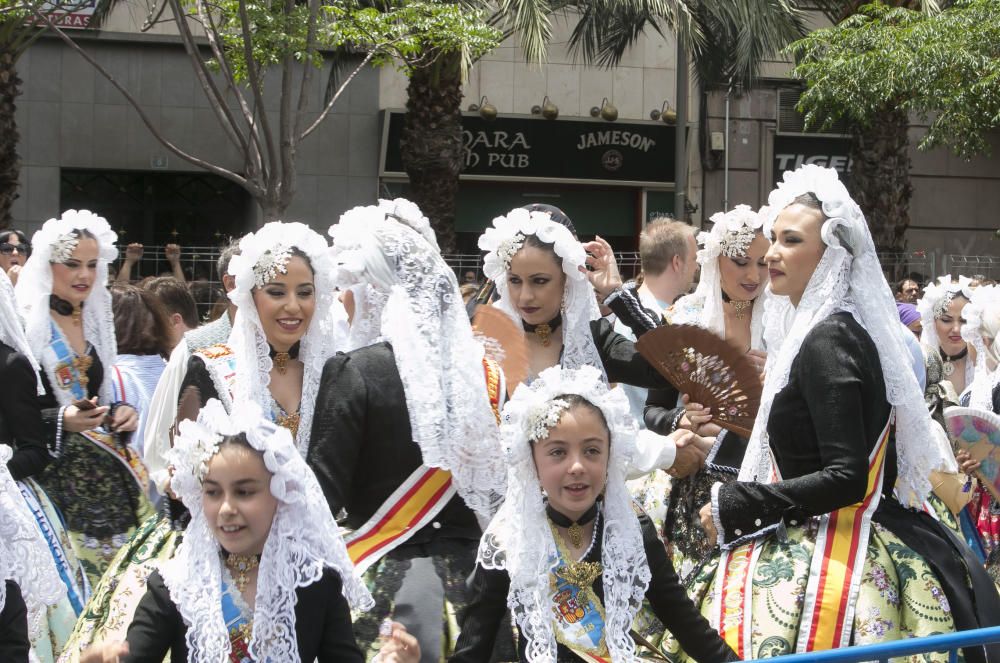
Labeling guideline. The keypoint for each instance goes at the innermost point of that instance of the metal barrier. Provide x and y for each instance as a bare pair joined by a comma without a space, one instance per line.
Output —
884,651
988,266
920,265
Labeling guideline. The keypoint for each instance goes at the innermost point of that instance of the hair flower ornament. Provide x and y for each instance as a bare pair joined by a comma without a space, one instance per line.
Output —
507,236
731,234
543,417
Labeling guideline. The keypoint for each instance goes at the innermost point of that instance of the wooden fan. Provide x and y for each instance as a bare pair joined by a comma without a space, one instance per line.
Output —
709,369
504,343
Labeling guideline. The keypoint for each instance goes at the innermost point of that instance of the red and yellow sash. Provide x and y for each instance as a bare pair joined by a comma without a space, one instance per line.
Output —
415,503
835,573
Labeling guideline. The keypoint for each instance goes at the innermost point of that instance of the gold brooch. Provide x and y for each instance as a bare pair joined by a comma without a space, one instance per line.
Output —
582,576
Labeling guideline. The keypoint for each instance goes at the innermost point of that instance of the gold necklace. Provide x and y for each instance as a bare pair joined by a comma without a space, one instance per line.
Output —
77,314
82,365
281,361
543,332
740,306
242,565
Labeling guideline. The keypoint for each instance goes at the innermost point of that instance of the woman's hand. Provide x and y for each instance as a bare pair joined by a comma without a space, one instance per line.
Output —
603,275
104,653
400,647
695,415
759,359
76,420
966,463
708,523
690,455
125,419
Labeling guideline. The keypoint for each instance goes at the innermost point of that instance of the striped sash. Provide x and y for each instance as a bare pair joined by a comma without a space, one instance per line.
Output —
835,573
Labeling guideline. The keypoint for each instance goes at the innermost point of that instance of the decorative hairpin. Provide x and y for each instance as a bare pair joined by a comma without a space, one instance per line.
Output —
63,247
508,248
271,263
736,243
543,417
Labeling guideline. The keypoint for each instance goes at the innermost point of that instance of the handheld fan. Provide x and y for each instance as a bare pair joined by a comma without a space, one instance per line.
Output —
709,369
978,432
504,343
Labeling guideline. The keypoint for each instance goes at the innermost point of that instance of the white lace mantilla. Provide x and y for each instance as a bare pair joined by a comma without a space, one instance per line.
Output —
520,540
12,330
981,314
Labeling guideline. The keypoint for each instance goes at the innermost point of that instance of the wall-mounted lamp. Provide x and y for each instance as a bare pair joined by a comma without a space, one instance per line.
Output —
665,113
607,111
487,111
548,110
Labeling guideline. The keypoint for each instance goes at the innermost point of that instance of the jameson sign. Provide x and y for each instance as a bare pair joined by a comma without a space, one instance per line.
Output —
526,148
790,152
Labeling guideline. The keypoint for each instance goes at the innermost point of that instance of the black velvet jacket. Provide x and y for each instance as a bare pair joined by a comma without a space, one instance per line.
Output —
670,602
50,405
622,362
322,625
20,416
14,643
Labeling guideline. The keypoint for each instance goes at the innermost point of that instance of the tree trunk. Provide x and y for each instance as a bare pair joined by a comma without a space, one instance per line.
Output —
10,165
431,144
880,177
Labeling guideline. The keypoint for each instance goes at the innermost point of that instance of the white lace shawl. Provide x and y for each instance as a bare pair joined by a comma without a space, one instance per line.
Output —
304,538
848,278
704,307
413,295
981,312
937,298
12,329
579,307
24,555
519,539
269,247
34,286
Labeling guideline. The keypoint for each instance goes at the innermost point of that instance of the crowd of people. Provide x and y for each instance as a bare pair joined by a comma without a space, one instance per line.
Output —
333,465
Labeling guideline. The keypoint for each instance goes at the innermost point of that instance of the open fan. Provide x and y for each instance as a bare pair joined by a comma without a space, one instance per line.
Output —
709,369
504,343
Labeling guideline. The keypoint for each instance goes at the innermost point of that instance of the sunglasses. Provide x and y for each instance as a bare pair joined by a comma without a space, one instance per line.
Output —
6,248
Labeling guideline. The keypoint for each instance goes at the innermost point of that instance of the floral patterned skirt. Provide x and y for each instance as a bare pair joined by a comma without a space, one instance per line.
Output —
900,595
112,605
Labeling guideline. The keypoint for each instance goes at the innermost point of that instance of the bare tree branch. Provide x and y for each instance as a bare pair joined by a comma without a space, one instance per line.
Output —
287,122
333,100
308,71
257,87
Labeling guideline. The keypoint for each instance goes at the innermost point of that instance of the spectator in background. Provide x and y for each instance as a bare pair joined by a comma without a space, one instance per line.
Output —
14,250
144,342
134,253
469,278
178,304
468,291
907,291
210,299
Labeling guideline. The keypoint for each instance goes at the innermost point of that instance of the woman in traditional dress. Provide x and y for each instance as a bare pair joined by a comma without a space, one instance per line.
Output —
818,551
941,317
728,301
95,479
404,437
567,551
274,357
262,573
21,429
981,518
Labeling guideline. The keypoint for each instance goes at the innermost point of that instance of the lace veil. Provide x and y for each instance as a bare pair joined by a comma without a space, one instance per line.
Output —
24,554
505,239
982,318
519,539
55,242
11,329
404,286
304,538
262,255
729,237
847,278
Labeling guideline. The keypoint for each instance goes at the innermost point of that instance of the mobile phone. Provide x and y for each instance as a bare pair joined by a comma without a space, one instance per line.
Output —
85,405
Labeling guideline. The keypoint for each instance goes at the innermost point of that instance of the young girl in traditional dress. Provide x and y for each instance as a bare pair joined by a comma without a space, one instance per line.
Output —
823,543
263,572
568,551
95,479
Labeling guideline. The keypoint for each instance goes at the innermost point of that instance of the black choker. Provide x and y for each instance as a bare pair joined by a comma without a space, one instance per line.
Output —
739,305
947,367
544,330
280,359
574,529
63,307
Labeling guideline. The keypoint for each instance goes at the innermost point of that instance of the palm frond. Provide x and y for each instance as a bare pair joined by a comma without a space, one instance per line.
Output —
607,28
530,20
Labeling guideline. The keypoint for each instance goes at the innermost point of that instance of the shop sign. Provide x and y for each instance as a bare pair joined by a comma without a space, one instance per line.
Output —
790,152
526,148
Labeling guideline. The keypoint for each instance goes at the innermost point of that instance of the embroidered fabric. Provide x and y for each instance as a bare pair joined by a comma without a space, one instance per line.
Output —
504,240
24,555
727,238
848,277
412,295
937,298
12,330
520,541
304,538
35,285
247,339
982,312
